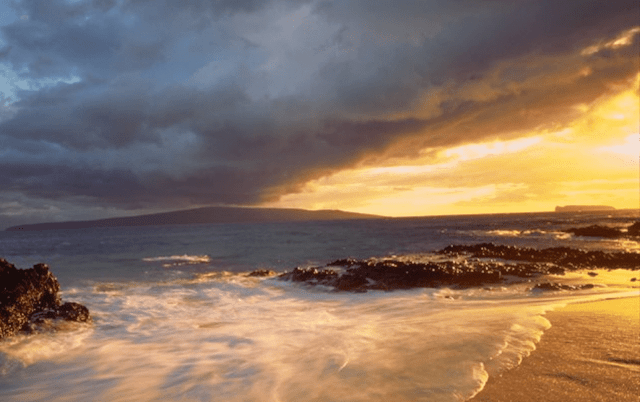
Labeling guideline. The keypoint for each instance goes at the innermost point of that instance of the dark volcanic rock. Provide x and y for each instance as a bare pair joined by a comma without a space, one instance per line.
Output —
29,295
310,275
68,311
596,231
634,230
476,268
262,272
559,286
605,231
362,275
567,257
555,270
72,311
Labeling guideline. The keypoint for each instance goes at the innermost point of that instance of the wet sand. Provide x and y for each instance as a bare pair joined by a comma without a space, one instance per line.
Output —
591,353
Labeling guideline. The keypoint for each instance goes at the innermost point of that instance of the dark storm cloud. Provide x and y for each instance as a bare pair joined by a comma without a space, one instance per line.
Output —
68,116
55,40
474,37
122,188
204,10
59,181
177,103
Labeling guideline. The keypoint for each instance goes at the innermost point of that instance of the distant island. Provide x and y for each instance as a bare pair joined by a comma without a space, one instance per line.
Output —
204,215
584,208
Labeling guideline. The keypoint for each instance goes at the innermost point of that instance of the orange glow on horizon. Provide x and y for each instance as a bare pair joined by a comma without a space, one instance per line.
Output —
591,160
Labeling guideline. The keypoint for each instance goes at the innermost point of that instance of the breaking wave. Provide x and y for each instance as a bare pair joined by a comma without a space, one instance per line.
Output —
178,260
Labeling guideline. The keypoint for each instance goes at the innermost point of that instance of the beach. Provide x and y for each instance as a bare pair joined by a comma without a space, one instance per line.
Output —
590,353
178,314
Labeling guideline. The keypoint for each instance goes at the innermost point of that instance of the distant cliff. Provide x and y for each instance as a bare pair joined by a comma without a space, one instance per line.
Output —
204,215
584,208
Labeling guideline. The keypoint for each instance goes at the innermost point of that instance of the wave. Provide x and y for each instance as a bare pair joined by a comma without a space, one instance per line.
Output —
234,337
527,233
178,260
277,343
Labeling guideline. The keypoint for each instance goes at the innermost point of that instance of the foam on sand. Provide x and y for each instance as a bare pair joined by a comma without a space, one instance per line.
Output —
590,353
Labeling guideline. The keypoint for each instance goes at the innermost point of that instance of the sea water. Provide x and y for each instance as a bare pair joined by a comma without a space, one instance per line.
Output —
176,317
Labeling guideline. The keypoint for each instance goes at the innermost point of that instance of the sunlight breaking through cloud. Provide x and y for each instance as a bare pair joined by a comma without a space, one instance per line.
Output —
146,106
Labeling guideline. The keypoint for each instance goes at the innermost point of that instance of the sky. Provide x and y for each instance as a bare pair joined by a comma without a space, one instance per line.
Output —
398,108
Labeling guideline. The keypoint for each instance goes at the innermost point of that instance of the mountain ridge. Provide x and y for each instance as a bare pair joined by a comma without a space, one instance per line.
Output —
203,215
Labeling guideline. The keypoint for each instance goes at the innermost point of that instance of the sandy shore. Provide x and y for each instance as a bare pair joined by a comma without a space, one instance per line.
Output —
591,353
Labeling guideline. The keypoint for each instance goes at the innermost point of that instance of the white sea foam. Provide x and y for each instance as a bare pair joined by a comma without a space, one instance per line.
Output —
530,233
29,349
629,246
233,338
189,334
178,260
562,235
509,233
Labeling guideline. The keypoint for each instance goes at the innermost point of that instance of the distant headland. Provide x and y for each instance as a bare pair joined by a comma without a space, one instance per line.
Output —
584,208
204,215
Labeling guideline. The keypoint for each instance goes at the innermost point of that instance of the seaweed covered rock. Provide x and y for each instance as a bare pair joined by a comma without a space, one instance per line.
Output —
28,296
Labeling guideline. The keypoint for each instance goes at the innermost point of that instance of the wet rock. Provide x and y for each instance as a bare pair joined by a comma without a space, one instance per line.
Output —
72,311
556,270
363,275
318,276
30,295
606,231
262,272
469,266
47,319
596,231
634,230
345,262
560,286
566,257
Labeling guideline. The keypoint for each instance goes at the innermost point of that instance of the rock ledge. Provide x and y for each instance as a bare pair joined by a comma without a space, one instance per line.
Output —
29,298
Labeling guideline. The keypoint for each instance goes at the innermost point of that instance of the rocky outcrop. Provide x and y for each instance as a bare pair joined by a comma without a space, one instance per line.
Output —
262,272
29,297
596,231
462,267
634,230
559,286
564,257
391,274
606,231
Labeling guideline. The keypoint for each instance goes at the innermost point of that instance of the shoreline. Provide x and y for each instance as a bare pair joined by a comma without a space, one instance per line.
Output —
590,353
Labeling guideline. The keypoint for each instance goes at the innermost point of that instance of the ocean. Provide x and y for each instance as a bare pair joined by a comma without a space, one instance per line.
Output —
176,317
